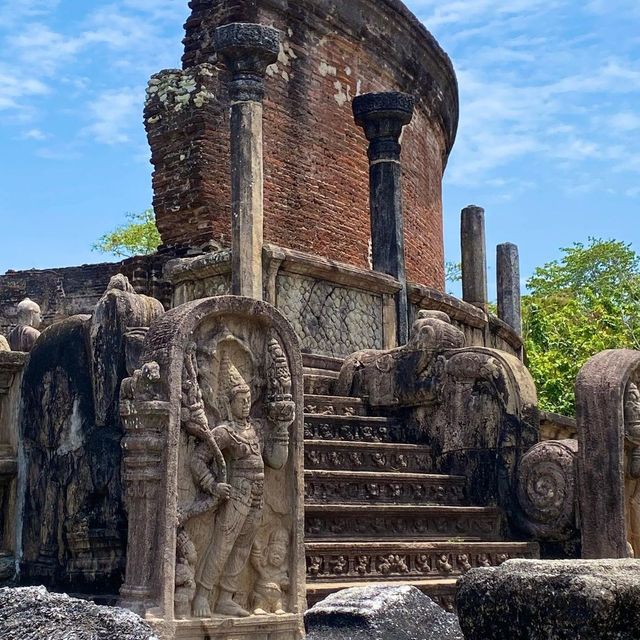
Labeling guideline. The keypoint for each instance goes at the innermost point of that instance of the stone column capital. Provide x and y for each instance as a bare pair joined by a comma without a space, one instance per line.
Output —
382,116
247,49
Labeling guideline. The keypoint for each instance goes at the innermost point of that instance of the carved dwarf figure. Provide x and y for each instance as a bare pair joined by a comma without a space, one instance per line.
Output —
186,558
24,336
632,471
238,517
273,575
279,374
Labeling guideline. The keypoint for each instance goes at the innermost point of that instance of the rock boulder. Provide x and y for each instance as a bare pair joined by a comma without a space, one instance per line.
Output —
380,613
551,600
33,613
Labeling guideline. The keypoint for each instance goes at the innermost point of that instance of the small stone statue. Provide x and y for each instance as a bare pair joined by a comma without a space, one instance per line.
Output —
24,336
186,558
273,575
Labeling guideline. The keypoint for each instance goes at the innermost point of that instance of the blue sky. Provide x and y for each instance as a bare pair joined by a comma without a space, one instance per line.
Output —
549,138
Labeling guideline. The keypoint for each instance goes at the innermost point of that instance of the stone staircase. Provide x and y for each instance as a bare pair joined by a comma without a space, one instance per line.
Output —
375,511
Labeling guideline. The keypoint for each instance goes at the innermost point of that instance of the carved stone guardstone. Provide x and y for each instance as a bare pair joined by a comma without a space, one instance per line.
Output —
213,474
608,415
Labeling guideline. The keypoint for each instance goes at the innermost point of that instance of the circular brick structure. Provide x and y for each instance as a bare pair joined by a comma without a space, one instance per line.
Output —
316,170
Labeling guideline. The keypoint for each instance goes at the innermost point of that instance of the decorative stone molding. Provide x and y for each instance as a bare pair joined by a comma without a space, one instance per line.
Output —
11,367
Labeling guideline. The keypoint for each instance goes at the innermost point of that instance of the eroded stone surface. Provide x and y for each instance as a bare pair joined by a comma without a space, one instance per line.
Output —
35,614
551,600
378,612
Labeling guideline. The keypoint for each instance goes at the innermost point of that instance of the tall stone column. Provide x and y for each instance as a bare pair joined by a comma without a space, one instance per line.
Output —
508,268
474,257
383,116
247,50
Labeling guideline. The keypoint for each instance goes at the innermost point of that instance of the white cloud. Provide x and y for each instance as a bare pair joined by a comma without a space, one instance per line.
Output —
625,121
35,134
113,112
17,87
539,89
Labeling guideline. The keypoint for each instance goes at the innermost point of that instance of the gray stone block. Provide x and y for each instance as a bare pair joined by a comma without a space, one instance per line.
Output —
551,600
379,612
35,614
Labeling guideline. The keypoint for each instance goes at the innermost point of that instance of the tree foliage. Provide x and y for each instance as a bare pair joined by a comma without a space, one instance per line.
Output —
586,302
138,237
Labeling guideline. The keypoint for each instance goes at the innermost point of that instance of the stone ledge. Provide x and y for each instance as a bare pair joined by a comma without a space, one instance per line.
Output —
306,264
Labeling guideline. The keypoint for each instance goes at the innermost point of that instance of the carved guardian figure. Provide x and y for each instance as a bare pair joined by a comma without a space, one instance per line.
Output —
242,441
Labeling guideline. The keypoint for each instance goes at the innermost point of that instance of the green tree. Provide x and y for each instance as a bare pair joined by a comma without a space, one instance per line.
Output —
138,237
586,302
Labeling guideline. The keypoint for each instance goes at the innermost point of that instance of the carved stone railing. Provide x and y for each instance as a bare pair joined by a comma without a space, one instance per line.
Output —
297,283
475,407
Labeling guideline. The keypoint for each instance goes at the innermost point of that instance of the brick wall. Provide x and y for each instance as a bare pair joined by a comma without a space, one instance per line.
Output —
316,174
74,290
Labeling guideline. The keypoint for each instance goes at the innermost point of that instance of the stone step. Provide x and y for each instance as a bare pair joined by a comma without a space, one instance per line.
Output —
367,456
400,522
442,590
355,429
382,561
319,382
316,361
373,487
334,405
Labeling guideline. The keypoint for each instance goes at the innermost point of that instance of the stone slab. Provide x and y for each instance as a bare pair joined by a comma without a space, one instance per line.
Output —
551,600
380,613
35,614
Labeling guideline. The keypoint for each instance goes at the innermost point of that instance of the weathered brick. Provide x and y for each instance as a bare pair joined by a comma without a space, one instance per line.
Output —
316,172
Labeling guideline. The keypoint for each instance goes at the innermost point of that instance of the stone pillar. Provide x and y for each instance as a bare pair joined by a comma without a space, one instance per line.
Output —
247,50
383,116
508,269
474,257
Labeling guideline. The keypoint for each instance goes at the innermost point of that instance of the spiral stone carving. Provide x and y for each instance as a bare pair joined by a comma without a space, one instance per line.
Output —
547,491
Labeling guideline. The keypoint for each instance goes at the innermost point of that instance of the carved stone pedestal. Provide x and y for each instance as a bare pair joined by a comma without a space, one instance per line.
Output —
212,469
285,627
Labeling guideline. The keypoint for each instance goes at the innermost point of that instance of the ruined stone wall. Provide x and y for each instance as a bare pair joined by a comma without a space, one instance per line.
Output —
69,291
316,171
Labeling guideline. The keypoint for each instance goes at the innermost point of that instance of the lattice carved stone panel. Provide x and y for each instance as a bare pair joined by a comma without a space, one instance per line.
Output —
330,320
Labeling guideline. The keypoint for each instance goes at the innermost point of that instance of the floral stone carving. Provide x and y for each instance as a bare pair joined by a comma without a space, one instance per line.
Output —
216,524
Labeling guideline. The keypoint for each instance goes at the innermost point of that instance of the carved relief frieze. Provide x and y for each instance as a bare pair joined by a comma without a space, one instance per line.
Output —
397,562
632,465
411,523
221,394
352,430
376,488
